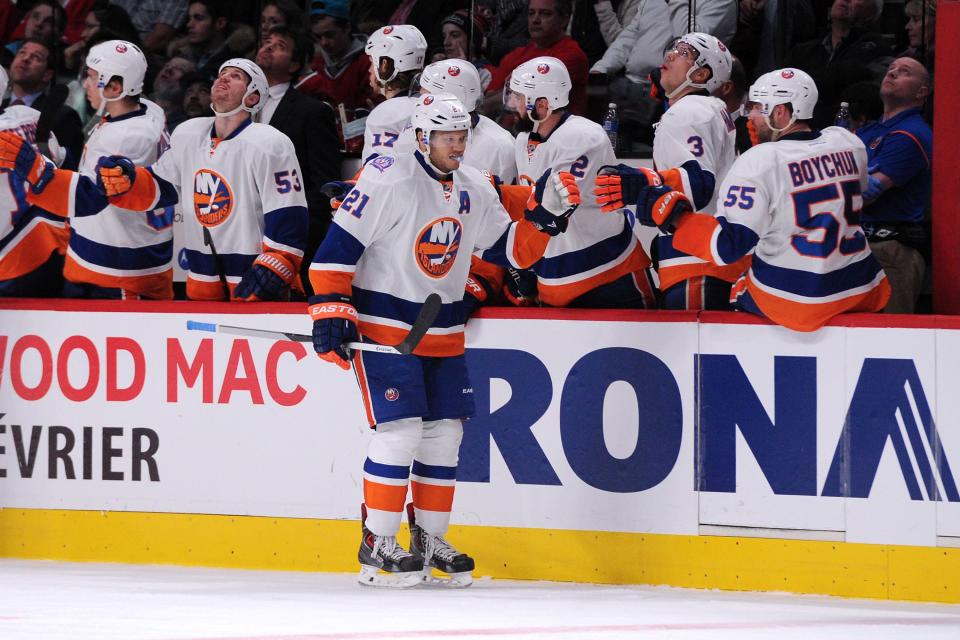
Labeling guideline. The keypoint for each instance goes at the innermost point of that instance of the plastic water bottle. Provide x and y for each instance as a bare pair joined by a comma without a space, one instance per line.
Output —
843,116
611,124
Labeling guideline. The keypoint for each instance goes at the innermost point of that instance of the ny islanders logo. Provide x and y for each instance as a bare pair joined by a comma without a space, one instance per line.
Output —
437,246
454,71
212,198
543,68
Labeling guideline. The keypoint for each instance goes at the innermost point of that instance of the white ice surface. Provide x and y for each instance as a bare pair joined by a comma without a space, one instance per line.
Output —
52,600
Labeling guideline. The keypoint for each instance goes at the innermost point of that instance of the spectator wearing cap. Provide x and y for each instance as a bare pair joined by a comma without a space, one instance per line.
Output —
341,70
308,123
465,39
899,153
547,23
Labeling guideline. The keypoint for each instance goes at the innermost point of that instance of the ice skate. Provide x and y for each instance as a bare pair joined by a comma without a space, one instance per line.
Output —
384,563
436,553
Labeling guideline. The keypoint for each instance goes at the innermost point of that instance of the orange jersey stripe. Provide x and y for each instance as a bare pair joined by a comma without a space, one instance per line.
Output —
670,276
563,294
204,290
384,497
361,373
432,497
693,235
331,281
142,196
806,316
33,249
55,197
156,286
514,198
432,345
529,244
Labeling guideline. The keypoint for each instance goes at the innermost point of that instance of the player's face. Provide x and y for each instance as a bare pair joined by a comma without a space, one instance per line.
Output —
757,122
228,89
677,61
446,149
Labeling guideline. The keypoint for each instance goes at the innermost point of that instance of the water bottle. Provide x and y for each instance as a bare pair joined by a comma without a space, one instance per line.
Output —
611,124
843,116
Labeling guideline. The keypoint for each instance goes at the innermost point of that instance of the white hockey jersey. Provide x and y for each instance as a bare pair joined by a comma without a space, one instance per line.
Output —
597,248
389,247
796,203
388,129
111,247
245,189
693,148
28,234
490,148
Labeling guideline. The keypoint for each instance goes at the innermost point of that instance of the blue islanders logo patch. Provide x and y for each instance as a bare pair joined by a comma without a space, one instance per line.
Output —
212,198
437,246
382,163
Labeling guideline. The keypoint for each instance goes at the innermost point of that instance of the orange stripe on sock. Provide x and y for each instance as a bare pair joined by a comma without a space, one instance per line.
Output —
384,497
432,497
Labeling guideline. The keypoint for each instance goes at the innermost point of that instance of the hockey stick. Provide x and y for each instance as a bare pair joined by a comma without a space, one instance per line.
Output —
51,109
217,261
428,313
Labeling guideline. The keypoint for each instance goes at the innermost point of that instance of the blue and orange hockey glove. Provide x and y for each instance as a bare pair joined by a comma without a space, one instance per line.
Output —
662,207
620,186
554,198
19,156
334,325
268,279
115,175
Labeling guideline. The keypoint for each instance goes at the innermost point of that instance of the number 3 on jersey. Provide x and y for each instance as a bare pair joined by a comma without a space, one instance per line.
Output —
287,180
835,202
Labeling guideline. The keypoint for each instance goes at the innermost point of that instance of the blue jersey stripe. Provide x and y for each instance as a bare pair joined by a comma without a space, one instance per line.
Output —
287,225
234,264
735,240
815,285
702,183
583,260
433,471
122,258
384,305
393,471
338,247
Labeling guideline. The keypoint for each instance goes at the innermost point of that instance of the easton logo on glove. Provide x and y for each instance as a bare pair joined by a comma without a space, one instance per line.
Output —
333,310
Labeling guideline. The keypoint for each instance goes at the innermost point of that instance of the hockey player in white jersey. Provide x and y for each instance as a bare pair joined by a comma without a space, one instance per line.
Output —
794,201
598,262
693,147
32,241
396,53
407,230
111,253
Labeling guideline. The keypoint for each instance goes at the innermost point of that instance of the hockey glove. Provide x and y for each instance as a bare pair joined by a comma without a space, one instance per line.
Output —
661,207
268,279
554,198
115,175
620,186
334,325
520,287
475,294
337,191
19,156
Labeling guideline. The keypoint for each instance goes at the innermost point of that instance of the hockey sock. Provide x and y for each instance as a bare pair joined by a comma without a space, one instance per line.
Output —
386,472
435,473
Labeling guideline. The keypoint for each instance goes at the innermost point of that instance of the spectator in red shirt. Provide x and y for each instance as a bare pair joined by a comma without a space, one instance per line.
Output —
341,69
547,23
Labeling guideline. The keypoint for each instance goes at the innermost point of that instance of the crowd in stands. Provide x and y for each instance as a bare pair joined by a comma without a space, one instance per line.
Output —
874,56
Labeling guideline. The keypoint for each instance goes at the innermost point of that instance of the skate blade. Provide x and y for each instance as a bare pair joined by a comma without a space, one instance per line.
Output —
446,580
372,577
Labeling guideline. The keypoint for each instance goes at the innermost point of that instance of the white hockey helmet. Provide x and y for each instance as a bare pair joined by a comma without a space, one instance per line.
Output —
455,76
785,86
258,84
118,58
4,81
543,77
401,43
711,53
439,112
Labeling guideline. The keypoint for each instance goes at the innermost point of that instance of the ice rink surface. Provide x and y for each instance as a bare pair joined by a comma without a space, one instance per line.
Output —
53,600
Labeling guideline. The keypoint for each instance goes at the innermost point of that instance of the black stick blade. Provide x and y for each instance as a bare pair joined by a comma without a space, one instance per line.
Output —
428,313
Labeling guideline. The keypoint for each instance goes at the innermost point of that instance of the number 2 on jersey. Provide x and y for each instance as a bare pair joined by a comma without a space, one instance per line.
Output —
834,201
